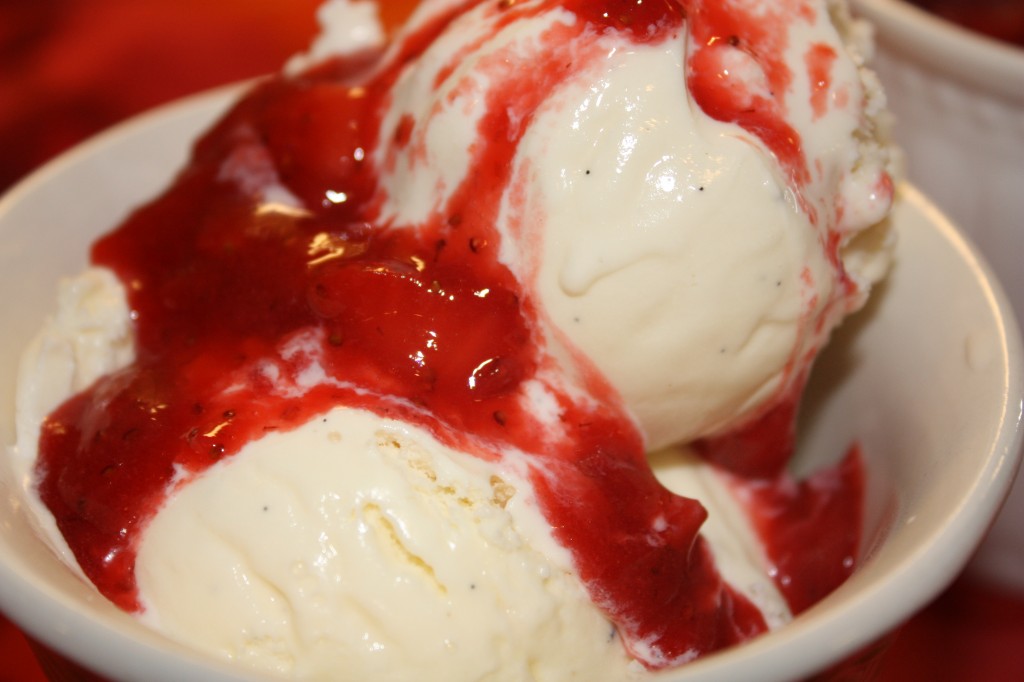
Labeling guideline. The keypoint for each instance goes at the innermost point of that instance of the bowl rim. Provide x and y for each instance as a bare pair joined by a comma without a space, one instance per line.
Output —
973,59
20,590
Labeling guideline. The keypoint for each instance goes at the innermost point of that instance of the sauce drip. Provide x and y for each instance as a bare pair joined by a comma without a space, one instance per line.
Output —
267,290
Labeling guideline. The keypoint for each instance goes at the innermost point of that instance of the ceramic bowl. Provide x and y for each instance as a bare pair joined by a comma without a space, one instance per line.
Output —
927,378
958,99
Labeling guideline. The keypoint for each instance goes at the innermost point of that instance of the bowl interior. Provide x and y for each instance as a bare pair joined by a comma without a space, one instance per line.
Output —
927,378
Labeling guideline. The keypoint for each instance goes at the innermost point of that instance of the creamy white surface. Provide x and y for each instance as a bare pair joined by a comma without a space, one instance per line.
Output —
666,247
360,548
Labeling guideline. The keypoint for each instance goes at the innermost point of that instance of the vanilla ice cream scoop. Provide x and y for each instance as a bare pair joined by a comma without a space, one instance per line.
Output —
686,257
363,545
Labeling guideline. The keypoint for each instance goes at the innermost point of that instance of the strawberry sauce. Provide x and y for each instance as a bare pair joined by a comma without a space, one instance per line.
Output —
267,259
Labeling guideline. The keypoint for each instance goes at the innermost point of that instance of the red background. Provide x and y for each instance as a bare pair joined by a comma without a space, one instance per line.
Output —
69,68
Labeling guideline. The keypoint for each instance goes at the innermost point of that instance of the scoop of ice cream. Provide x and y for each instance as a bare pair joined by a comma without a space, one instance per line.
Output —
695,260
361,544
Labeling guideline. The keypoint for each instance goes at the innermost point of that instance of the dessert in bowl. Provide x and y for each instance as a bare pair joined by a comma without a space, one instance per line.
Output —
970,340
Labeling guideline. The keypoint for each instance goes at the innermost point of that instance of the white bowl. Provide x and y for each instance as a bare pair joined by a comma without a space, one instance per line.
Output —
928,378
958,98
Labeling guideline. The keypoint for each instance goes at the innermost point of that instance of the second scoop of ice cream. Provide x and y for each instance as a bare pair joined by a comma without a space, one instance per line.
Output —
690,258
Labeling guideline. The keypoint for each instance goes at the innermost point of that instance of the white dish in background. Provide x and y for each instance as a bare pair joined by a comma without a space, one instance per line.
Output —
928,378
958,98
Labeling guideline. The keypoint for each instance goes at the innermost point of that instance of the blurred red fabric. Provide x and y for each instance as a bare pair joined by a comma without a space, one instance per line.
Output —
69,68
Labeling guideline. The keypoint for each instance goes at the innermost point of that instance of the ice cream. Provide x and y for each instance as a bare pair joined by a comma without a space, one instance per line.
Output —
620,172
351,565
405,328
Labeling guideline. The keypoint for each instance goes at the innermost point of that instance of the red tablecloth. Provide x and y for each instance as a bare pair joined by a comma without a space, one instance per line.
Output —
69,68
